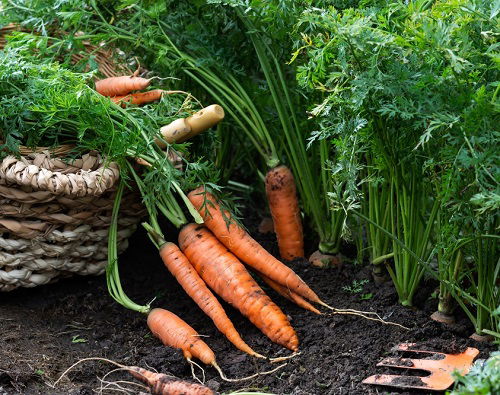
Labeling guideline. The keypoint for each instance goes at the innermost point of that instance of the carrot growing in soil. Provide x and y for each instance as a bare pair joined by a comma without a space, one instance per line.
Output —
227,276
239,242
282,197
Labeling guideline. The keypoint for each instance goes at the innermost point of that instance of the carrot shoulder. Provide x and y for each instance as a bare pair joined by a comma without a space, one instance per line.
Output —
284,206
227,276
180,267
117,86
239,242
176,333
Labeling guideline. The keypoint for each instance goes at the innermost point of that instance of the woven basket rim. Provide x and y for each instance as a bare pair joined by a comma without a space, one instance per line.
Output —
57,151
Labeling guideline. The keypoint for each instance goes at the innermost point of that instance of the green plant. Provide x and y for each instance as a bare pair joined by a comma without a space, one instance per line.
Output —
421,152
77,339
356,286
483,378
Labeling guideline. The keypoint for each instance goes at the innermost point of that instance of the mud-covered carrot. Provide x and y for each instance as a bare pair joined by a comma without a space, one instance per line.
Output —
158,383
284,206
180,267
227,276
162,384
118,86
288,294
239,242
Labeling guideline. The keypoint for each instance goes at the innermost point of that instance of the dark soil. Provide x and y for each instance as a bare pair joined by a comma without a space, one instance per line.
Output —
45,330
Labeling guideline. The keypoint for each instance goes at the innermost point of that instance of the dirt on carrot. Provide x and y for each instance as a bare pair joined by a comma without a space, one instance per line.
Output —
284,206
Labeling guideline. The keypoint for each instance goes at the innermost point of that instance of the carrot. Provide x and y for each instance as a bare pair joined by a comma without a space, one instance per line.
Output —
174,332
227,276
162,384
117,86
158,383
139,98
288,294
282,197
180,267
239,242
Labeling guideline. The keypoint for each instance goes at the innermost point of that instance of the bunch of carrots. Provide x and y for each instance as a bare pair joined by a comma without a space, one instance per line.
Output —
214,254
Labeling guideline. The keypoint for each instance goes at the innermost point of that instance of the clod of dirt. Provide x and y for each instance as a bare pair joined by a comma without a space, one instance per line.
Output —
443,318
404,381
266,225
482,338
319,259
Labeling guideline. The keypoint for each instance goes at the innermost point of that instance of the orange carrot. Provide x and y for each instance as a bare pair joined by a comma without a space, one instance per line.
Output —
282,197
180,267
174,332
162,384
117,86
227,276
239,242
290,295
139,98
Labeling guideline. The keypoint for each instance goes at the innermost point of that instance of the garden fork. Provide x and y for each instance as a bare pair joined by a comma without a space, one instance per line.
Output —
440,370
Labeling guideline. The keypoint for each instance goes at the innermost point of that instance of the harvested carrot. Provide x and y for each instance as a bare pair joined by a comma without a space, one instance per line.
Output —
162,384
139,98
180,267
282,197
239,242
227,276
158,383
288,294
174,332
118,86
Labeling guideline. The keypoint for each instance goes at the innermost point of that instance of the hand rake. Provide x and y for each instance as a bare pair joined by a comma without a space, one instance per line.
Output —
440,369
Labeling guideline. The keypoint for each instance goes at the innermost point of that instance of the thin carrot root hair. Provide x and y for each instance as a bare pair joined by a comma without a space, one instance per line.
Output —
223,376
281,359
192,364
85,360
363,314
106,384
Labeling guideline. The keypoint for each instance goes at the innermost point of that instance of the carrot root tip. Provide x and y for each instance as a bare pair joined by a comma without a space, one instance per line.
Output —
281,359
223,376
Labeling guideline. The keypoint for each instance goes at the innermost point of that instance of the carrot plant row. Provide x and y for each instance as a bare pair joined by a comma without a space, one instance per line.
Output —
370,121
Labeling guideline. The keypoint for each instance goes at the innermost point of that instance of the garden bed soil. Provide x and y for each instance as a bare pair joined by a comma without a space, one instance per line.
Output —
47,329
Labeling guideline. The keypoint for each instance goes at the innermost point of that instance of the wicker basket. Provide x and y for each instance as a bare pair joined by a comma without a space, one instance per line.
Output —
55,215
